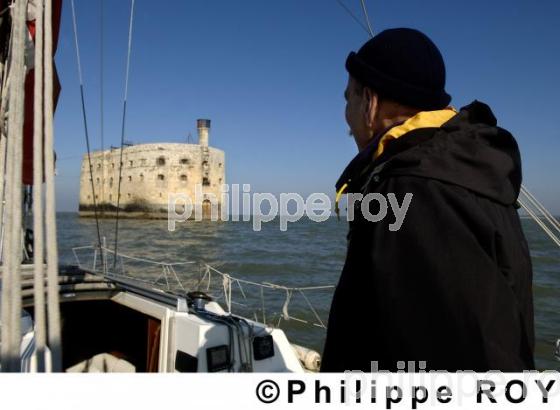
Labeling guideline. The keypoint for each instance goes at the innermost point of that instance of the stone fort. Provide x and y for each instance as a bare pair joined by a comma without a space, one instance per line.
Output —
149,173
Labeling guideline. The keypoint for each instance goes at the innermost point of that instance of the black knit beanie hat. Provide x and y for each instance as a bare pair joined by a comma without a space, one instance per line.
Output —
404,65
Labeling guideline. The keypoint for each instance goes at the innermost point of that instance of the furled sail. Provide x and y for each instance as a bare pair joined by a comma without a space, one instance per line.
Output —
5,28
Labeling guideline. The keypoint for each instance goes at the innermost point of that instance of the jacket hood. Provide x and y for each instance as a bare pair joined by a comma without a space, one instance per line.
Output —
469,150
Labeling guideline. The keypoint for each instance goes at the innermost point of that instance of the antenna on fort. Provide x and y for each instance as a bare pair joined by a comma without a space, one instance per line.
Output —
189,138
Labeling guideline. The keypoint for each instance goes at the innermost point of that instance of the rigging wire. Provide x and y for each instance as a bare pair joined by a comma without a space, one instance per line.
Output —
354,17
84,116
538,220
366,17
101,93
123,128
539,214
541,208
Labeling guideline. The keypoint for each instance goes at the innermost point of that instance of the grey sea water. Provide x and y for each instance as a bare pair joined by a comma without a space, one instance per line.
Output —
307,254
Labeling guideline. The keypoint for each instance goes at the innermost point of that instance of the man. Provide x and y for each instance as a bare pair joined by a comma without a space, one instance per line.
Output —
452,286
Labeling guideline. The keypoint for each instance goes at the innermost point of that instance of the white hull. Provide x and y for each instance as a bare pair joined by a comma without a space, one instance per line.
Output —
116,325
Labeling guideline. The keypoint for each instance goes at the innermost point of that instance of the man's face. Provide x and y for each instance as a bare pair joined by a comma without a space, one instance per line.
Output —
357,112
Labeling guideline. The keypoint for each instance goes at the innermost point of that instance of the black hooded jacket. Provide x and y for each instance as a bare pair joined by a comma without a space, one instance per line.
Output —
453,286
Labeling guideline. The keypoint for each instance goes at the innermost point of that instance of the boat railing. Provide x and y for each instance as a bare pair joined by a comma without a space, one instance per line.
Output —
265,302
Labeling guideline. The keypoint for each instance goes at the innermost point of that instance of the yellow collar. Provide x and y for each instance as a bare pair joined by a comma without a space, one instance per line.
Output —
424,119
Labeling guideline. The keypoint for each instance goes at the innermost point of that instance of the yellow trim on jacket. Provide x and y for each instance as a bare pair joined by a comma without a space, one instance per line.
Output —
424,119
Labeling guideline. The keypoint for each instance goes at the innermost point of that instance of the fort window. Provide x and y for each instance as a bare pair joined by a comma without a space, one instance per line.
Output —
130,163
160,195
97,180
113,165
129,196
129,178
89,197
161,161
183,178
205,181
96,196
220,181
110,197
160,177
142,177
184,161
143,161
99,166
206,207
220,165
111,182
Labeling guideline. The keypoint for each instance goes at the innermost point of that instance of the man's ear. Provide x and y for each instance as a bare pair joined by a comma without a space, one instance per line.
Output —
370,106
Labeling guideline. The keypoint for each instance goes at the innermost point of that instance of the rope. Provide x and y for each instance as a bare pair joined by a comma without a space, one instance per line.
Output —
531,213
84,118
127,73
226,284
241,288
286,303
172,269
312,309
122,255
554,224
3,145
270,285
165,277
11,286
351,14
15,137
540,207
38,246
50,202
262,306
5,84
3,159
367,17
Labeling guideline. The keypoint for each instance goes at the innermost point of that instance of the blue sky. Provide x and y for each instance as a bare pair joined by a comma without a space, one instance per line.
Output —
270,76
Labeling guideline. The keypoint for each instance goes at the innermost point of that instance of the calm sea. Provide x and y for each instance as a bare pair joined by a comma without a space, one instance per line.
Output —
308,254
